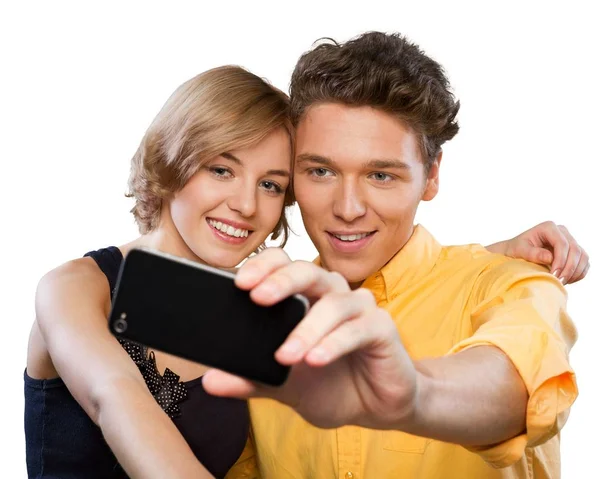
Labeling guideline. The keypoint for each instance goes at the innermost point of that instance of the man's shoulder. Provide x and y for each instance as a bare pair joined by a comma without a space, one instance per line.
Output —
476,254
490,279
489,271
495,275
467,261
464,252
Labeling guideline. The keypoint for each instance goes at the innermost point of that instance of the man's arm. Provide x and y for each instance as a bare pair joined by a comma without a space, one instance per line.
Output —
475,397
512,375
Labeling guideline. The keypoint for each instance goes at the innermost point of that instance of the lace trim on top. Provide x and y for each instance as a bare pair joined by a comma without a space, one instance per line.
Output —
166,389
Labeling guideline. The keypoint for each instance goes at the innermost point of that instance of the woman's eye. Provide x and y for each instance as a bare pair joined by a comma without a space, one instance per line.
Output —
272,186
221,171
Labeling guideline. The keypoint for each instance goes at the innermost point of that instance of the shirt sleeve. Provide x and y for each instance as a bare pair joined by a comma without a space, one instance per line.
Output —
521,309
245,467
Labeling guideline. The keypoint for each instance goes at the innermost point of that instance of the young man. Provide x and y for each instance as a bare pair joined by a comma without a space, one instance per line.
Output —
415,360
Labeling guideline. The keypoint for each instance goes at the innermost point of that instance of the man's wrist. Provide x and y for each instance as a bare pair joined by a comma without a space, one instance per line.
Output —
413,413
420,414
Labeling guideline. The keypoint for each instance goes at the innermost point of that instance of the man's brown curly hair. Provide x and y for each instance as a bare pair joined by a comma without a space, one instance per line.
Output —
384,71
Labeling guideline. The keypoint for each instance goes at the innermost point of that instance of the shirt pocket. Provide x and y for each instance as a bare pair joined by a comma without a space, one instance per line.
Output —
403,442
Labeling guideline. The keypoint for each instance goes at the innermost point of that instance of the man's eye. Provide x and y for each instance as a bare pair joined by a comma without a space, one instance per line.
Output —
381,177
320,172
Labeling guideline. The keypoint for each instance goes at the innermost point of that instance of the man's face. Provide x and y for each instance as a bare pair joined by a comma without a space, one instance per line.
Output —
358,180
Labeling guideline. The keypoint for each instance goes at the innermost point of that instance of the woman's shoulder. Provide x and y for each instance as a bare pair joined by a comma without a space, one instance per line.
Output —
80,276
79,269
87,268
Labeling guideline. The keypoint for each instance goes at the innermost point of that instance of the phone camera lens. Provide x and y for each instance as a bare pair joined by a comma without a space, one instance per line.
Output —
120,325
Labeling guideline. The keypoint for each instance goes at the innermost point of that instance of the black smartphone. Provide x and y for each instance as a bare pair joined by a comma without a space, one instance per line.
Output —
196,312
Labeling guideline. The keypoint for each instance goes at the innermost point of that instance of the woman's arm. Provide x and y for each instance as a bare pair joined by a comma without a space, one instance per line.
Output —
71,312
548,244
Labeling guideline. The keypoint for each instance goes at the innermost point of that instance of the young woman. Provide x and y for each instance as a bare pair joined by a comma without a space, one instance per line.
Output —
211,182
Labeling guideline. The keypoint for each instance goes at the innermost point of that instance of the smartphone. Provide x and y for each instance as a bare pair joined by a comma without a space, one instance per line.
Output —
196,312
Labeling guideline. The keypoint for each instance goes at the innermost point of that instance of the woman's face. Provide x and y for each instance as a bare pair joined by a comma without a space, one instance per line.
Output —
229,207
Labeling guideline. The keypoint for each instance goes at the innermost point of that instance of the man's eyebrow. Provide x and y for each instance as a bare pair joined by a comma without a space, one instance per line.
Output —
372,164
312,158
384,164
235,159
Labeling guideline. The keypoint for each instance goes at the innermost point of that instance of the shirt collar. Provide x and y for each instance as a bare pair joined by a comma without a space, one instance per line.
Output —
413,262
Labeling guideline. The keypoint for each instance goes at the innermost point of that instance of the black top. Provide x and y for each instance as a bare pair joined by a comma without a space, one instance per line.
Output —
63,442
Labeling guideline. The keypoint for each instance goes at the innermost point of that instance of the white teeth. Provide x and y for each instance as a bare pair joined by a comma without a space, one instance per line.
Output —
352,237
229,230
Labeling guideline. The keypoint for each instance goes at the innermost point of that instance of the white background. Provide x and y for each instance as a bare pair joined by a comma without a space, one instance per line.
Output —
81,82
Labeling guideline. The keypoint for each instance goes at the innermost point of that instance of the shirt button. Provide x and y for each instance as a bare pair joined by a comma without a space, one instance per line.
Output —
349,475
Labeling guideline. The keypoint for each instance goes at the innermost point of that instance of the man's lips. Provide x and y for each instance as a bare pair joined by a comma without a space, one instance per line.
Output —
350,235
350,241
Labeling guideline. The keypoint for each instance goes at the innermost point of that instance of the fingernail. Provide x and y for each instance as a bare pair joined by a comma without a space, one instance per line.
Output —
292,347
562,280
555,273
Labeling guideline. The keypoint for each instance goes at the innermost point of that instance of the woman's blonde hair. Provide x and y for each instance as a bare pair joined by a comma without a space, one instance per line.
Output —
220,110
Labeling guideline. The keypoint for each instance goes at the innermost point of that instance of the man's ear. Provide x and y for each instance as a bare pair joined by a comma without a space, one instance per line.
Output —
432,184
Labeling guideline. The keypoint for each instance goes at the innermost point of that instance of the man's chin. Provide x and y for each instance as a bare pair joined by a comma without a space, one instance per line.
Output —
354,270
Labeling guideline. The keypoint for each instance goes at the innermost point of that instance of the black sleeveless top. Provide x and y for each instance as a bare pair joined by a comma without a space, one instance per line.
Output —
63,442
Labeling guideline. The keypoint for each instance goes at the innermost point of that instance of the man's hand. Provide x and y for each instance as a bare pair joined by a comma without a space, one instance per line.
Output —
348,363
350,367
550,245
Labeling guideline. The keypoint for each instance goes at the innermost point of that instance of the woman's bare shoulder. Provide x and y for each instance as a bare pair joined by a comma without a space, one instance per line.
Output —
80,276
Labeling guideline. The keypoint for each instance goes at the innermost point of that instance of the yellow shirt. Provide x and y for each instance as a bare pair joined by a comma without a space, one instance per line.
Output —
443,300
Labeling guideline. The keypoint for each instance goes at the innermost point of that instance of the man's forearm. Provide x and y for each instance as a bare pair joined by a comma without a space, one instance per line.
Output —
473,398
